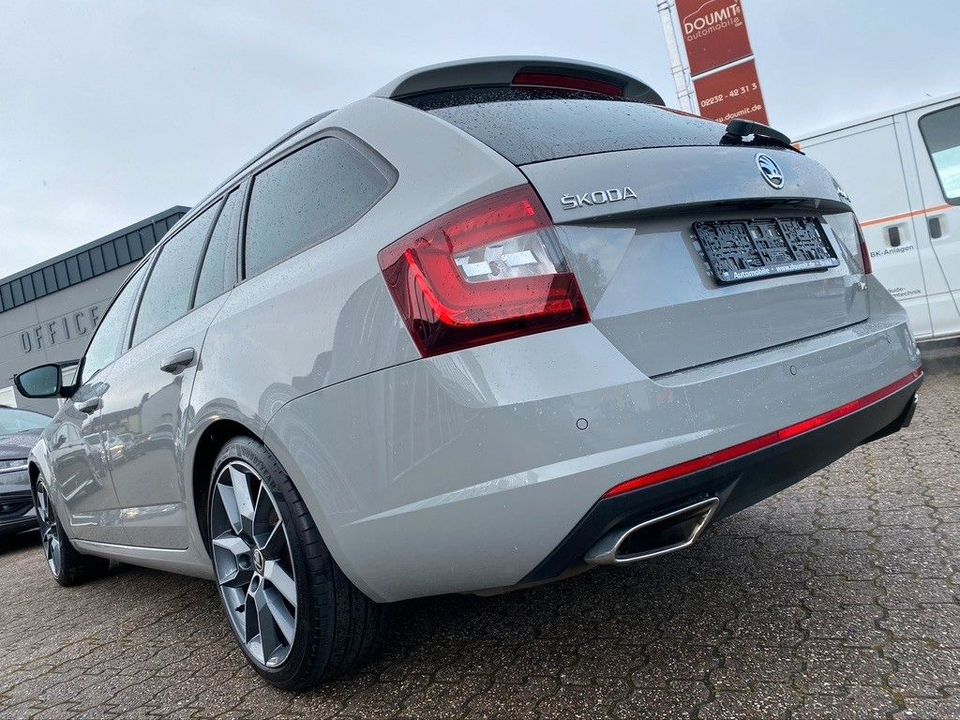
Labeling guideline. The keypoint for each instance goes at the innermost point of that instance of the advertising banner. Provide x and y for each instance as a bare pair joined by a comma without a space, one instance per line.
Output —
714,33
720,59
733,92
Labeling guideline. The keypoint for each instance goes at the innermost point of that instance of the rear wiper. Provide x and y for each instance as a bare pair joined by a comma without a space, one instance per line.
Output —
747,132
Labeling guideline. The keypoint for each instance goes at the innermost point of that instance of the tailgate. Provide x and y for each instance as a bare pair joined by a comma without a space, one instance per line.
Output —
626,223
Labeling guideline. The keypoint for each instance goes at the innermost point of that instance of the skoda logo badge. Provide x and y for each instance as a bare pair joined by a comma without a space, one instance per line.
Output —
770,171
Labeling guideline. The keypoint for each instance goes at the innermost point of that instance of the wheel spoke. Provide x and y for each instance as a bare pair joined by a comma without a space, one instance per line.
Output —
250,616
265,517
228,501
262,505
45,540
42,504
281,616
241,491
55,559
235,599
236,546
48,535
278,577
269,639
275,546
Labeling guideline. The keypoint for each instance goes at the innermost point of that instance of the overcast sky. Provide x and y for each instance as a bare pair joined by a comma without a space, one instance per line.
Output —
113,111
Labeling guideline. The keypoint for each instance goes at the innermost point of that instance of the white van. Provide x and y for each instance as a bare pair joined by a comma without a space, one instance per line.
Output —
902,173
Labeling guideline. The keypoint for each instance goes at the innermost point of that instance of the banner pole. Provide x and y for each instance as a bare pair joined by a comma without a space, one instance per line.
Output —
681,74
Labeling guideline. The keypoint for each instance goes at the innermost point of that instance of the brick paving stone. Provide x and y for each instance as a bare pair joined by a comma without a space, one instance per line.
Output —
838,598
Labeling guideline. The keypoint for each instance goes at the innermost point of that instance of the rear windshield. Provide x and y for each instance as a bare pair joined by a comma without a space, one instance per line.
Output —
527,127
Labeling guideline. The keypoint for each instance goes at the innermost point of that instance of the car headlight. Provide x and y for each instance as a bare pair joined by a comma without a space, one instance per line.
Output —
15,465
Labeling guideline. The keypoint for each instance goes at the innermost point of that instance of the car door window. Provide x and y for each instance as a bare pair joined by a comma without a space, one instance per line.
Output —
107,339
306,198
219,270
941,133
167,295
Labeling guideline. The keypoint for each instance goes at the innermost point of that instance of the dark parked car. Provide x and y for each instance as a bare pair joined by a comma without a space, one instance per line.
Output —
19,432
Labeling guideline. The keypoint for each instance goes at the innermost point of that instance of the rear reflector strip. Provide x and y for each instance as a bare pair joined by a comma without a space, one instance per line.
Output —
763,442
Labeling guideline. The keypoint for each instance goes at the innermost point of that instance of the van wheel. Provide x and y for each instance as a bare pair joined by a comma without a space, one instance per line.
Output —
295,615
67,566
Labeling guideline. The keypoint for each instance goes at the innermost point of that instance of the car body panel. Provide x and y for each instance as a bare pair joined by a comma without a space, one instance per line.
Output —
81,478
649,288
358,330
16,504
12,483
651,293
665,179
143,414
17,446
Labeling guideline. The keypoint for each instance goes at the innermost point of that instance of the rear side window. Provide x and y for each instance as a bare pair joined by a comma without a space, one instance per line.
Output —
306,198
219,270
167,295
527,127
941,133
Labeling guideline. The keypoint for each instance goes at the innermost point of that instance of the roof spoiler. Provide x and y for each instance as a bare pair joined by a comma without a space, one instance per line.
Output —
531,71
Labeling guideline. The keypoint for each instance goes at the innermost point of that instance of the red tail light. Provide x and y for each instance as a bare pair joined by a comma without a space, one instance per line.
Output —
487,271
566,82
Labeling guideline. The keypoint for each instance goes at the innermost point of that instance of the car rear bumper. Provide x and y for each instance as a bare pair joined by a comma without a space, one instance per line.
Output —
471,470
737,483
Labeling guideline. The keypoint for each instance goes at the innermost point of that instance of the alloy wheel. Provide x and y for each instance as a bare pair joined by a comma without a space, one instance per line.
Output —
49,530
253,563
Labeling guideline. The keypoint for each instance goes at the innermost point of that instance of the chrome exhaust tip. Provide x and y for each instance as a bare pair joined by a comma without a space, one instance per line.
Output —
657,536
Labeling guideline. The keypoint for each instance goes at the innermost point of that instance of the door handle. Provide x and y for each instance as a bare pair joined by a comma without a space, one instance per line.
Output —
893,235
179,361
88,407
936,229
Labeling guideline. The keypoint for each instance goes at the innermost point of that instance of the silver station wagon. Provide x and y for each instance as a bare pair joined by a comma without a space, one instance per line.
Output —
501,321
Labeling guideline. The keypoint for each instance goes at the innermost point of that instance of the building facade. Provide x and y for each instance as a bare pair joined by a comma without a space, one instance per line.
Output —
48,312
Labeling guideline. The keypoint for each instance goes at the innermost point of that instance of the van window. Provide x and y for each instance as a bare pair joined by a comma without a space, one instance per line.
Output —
167,295
219,271
108,337
941,133
307,197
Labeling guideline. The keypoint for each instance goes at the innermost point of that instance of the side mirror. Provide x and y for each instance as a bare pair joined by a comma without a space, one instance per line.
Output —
43,381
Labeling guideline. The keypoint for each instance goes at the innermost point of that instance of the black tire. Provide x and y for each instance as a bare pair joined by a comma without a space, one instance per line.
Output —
67,566
338,628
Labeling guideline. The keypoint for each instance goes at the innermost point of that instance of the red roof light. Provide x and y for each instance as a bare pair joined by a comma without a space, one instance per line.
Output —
566,82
